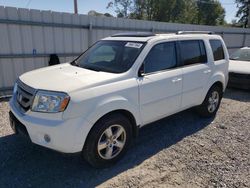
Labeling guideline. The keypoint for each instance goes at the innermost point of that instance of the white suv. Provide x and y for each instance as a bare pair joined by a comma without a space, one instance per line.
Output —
96,103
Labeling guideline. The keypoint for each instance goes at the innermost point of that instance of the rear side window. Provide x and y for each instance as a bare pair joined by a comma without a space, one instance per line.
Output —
193,52
161,57
217,48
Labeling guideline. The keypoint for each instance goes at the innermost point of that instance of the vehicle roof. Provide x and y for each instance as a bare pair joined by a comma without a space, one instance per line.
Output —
161,36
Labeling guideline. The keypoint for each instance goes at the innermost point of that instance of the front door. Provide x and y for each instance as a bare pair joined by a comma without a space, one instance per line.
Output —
160,87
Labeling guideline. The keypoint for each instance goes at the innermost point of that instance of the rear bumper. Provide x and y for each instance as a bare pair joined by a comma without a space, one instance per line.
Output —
237,80
66,136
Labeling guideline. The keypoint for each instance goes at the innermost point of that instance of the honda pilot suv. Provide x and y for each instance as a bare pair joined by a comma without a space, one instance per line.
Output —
96,104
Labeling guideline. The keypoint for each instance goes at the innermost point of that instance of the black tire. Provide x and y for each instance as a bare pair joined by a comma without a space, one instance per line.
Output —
203,109
90,150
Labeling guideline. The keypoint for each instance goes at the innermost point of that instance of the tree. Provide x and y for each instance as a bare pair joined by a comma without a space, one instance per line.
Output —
243,12
181,11
234,23
139,10
184,12
122,7
107,15
210,12
94,13
207,12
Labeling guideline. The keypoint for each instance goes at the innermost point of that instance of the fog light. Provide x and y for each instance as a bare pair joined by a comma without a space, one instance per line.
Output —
47,138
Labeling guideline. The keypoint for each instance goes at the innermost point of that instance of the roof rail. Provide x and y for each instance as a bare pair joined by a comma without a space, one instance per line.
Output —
195,32
134,34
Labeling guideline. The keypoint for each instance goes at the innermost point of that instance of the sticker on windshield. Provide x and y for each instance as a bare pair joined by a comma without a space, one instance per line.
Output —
133,45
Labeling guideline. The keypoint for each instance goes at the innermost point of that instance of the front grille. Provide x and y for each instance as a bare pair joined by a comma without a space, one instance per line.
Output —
238,75
24,95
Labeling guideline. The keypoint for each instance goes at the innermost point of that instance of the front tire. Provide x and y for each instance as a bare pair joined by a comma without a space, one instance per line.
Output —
108,140
211,104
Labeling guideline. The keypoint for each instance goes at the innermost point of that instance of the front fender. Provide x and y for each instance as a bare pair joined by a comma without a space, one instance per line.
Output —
112,104
89,116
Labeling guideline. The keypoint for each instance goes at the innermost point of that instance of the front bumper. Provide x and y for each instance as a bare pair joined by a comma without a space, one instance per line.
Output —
17,126
237,80
67,136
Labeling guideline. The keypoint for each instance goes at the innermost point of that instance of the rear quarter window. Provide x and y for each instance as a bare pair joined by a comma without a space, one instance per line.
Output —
217,49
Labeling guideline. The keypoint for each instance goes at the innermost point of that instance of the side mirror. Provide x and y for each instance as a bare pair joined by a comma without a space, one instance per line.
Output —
141,71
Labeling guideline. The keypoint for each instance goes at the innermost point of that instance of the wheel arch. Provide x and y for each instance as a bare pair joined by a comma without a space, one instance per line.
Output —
217,79
123,112
219,84
126,114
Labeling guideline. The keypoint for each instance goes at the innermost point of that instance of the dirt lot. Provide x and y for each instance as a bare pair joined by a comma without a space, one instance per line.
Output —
180,151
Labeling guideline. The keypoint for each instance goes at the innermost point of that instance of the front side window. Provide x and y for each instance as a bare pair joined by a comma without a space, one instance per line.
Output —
192,52
217,48
161,57
110,56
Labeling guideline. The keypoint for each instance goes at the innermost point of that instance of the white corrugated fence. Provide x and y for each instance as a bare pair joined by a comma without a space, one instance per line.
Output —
28,37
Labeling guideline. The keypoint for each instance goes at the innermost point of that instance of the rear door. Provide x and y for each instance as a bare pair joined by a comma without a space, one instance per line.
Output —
196,71
161,85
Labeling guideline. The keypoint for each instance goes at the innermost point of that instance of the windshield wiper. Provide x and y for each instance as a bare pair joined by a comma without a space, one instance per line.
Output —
74,63
97,69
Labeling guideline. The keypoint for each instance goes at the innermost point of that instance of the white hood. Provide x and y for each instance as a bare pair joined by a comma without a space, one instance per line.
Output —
65,78
239,66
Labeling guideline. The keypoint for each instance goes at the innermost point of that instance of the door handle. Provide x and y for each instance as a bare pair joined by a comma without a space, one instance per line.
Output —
207,71
176,80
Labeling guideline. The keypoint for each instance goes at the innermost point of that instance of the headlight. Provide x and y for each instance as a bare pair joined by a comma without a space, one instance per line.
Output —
51,102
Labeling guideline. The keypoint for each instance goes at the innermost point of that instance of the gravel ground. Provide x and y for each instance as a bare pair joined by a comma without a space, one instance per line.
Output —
179,151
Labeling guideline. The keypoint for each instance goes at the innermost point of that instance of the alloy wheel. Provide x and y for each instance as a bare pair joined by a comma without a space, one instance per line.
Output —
111,142
213,101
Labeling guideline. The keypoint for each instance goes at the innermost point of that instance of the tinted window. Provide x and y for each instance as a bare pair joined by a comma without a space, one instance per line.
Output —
192,52
161,57
217,48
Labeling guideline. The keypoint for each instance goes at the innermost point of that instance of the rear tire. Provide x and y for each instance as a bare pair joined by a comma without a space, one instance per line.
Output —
108,141
211,103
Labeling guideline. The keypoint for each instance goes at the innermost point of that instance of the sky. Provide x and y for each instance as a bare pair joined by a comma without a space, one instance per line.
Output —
84,6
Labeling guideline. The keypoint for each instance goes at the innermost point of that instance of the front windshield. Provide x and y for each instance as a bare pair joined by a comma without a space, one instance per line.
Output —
110,56
241,55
